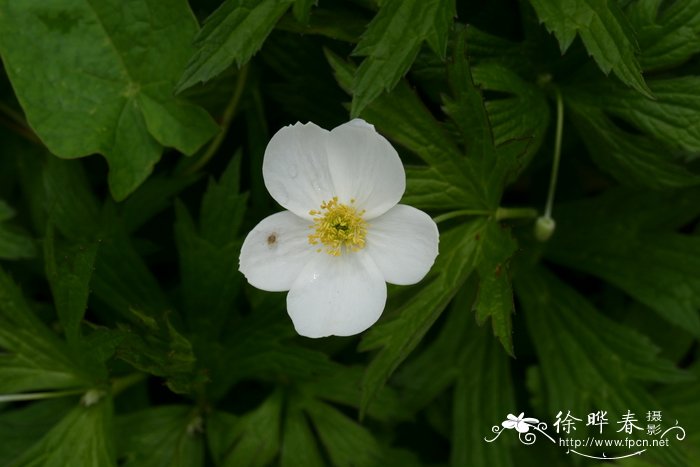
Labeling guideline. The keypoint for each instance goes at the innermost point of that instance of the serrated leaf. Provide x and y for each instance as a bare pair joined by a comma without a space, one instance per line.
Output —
604,30
587,359
155,346
670,118
262,347
392,41
33,358
83,438
427,189
250,440
668,32
107,87
633,160
428,373
346,442
344,386
233,33
482,402
621,245
522,114
397,337
495,296
466,107
487,168
299,445
223,206
160,436
69,271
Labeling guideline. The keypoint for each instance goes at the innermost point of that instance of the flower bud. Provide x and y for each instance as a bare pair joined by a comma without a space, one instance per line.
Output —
544,228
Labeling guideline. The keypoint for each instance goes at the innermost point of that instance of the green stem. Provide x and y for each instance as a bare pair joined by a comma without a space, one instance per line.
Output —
557,156
515,213
32,396
229,113
464,212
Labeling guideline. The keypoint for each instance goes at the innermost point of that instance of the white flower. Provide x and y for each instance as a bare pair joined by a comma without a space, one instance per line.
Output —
520,423
344,235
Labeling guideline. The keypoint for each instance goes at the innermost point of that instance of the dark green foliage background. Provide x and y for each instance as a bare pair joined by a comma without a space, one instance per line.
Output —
128,336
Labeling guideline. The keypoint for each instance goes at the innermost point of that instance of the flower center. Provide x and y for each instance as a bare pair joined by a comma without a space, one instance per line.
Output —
340,227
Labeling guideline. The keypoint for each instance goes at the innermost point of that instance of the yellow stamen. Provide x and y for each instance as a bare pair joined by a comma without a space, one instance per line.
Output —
340,227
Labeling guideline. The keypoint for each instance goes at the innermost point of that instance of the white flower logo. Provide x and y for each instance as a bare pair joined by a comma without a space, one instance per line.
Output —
522,425
343,235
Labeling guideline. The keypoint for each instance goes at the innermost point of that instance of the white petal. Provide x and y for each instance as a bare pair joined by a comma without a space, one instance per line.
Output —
403,243
295,168
509,424
337,295
365,167
276,251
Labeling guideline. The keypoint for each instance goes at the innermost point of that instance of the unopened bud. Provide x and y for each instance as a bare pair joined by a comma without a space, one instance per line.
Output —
544,228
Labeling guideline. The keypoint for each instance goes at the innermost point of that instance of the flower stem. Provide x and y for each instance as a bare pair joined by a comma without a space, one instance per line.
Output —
557,156
229,113
515,213
464,212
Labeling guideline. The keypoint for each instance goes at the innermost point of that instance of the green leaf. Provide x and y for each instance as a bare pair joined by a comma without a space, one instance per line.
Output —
262,347
343,386
604,30
234,32
347,442
587,359
487,168
429,372
69,270
83,438
668,36
626,242
14,244
302,10
524,113
69,200
634,160
122,280
223,206
21,427
209,253
160,436
155,346
670,118
427,189
250,440
153,197
495,297
108,85
392,41
33,358
299,445
397,337
482,402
